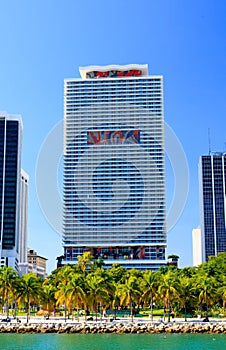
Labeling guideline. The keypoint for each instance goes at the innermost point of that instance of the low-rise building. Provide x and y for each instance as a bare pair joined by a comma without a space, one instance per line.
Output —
35,264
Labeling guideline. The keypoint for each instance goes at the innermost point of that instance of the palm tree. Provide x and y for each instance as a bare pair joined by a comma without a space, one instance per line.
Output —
62,298
109,288
207,292
75,290
63,278
149,286
8,278
186,293
222,293
29,289
114,300
48,295
98,291
84,261
169,289
118,273
129,292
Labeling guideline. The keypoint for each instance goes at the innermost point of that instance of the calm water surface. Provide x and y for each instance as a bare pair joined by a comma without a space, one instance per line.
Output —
112,341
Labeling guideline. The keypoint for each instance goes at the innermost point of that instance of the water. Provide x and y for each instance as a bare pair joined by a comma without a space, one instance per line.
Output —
112,341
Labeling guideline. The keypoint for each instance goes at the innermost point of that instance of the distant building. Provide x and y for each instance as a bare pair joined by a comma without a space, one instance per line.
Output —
60,261
37,261
23,231
114,167
25,268
10,169
212,181
35,264
172,260
197,246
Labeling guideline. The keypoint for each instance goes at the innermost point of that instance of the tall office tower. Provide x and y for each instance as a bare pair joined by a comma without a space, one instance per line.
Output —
212,181
114,169
22,241
10,167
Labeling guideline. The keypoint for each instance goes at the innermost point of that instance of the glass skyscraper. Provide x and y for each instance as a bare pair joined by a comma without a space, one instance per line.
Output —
114,168
10,168
212,180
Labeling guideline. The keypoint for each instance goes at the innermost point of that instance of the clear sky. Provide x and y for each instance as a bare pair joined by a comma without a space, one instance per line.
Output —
43,42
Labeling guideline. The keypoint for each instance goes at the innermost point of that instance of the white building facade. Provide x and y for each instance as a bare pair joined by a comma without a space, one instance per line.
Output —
197,246
23,232
114,167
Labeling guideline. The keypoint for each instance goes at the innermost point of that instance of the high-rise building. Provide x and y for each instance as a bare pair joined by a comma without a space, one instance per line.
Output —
10,168
197,246
23,232
114,169
212,181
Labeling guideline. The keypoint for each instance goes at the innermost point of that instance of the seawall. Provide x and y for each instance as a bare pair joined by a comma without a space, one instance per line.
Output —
117,328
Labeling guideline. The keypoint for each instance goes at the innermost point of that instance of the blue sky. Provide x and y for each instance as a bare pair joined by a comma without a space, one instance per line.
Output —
43,42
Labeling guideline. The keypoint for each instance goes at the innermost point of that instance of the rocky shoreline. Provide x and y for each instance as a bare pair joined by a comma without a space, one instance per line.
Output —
116,328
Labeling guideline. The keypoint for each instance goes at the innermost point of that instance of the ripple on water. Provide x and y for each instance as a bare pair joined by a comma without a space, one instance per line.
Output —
112,341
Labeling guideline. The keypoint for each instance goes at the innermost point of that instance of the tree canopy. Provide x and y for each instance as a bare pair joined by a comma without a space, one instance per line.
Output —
89,287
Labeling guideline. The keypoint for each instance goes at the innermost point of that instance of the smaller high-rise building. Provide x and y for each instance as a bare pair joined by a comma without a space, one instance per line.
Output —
212,185
10,168
197,246
23,232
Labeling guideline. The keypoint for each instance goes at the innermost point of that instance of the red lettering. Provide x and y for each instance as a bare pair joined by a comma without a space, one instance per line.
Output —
95,136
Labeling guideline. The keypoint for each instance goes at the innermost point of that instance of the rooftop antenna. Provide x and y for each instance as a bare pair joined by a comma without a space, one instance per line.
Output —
209,141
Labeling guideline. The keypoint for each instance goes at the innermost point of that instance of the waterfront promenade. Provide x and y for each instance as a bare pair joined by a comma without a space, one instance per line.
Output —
119,326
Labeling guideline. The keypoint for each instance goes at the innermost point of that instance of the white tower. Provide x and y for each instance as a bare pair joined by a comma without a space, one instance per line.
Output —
197,246
23,233
114,167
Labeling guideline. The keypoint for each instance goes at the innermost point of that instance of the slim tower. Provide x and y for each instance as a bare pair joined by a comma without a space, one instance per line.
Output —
197,246
212,185
114,170
23,232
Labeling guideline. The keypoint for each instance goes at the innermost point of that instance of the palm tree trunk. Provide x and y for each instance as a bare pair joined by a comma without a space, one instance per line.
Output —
49,306
96,306
100,312
7,306
15,309
131,309
151,308
185,313
115,313
207,310
65,313
77,312
168,311
28,311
